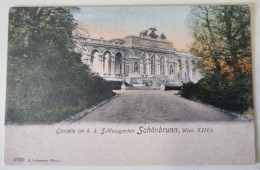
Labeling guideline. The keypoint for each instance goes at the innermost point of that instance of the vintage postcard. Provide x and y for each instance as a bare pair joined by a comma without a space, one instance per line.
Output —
129,85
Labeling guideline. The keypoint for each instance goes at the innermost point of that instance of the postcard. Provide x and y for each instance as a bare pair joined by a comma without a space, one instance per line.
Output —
129,85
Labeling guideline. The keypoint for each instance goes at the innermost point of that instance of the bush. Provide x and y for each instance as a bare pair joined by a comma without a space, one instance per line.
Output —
231,95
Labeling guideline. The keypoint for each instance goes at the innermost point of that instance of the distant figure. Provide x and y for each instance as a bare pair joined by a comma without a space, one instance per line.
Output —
153,34
143,33
101,38
163,36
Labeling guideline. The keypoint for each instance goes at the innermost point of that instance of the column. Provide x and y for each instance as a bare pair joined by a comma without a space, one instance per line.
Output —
165,68
89,61
183,68
141,67
101,65
148,67
123,66
126,68
158,67
190,70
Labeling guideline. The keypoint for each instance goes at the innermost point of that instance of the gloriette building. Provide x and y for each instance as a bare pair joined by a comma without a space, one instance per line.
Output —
138,60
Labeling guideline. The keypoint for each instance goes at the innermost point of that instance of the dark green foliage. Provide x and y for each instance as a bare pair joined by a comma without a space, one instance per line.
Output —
223,43
46,81
116,85
231,95
171,88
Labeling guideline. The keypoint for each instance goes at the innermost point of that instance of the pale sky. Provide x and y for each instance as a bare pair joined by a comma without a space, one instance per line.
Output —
118,22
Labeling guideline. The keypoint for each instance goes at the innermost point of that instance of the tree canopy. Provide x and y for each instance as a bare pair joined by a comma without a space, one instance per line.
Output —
46,80
222,38
222,41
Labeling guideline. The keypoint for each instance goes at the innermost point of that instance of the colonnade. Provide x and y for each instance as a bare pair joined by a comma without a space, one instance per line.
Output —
108,64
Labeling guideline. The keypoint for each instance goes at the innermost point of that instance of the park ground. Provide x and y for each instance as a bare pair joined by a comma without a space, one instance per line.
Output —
136,106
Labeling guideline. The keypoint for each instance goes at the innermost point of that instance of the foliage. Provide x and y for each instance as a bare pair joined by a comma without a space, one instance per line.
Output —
214,90
46,80
222,41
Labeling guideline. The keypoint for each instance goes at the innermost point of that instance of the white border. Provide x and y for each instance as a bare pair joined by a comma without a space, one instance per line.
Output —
4,8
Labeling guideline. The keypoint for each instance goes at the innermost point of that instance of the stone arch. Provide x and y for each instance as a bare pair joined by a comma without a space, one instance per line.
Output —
164,56
119,67
93,50
118,51
153,64
107,61
85,51
95,60
142,53
163,65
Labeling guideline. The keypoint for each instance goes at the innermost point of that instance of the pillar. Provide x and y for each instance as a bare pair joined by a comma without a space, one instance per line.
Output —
141,67
89,56
158,67
126,68
165,68
123,67
183,72
101,65
148,68
112,71
190,70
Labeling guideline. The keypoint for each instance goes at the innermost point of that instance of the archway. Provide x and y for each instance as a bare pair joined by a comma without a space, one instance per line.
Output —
119,63
136,68
162,65
94,61
171,70
107,62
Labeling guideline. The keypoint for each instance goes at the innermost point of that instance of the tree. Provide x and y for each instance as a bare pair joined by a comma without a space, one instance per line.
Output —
222,41
46,80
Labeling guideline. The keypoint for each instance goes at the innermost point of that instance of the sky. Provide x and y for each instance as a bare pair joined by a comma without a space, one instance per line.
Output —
118,22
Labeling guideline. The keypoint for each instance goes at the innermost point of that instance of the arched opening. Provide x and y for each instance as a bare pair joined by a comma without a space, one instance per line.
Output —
136,69
118,63
94,61
153,65
162,66
107,62
171,70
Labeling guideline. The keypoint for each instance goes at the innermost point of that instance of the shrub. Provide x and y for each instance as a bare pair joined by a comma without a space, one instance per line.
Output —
233,95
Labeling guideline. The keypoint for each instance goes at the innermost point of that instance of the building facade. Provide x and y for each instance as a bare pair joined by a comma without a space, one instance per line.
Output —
137,59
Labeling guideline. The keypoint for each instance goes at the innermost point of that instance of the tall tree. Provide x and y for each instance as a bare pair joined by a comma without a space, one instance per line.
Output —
222,39
46,80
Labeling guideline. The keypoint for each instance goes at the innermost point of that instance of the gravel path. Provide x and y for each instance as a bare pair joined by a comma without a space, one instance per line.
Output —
153,106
